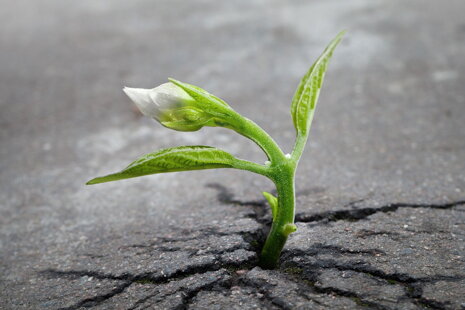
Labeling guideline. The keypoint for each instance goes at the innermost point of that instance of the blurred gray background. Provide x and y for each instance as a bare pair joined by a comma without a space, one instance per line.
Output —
390,125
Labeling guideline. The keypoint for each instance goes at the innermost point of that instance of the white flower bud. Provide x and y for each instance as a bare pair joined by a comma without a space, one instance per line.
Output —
160,100
170,105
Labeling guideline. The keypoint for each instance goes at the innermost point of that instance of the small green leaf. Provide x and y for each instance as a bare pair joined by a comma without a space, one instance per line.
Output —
273,201
182,158
289,229
209,103
306,96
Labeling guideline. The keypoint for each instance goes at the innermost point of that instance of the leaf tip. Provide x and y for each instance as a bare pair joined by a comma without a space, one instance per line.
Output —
339,36
93,181
337,39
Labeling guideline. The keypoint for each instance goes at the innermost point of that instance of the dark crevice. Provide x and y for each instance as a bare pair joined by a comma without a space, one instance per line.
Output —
188,294
320,248
363,213
98,299
263,288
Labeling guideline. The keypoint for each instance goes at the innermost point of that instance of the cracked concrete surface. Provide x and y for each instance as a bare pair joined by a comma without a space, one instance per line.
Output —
380,190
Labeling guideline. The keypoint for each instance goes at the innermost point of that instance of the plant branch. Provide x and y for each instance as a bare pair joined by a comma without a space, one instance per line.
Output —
252,167
251,130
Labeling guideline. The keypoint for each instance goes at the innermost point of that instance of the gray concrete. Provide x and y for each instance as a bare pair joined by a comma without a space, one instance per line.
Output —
381,187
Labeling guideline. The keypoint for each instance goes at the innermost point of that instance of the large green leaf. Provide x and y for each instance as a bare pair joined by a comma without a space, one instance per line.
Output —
182,158
306,96
209,103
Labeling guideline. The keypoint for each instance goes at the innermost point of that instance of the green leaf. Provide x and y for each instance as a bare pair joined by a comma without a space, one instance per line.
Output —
306,96
273,201
209,103
182,158
289,229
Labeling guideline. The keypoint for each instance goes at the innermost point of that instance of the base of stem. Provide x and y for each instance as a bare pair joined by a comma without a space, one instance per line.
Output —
271,251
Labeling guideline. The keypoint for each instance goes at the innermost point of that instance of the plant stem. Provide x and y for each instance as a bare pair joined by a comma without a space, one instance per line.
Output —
282,172
251,130
283,224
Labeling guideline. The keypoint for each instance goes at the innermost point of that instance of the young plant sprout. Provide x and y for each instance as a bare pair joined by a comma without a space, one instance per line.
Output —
184,107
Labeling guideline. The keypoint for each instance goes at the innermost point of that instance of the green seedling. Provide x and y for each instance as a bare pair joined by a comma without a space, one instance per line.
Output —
184,107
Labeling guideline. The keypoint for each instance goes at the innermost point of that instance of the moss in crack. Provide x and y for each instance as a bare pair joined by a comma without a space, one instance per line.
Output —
146,281
255,244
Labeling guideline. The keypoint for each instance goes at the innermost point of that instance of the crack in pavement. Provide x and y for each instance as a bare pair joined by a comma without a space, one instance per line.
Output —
187,293
413,287
359,300
190,294
225,196
98,299
128,279
320,248
169,243
363,213
265,288
149,278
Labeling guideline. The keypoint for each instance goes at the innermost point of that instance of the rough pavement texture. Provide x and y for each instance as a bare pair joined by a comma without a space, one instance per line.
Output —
381,187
